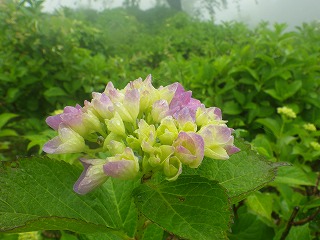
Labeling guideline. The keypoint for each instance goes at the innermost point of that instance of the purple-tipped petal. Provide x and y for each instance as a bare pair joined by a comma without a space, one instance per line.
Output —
91,177
122,166
113,93
132,103
68,141
160,109
52,145
232,149
71,116
103,105
183,116
218,141
189,148
123,169
54,121
216,134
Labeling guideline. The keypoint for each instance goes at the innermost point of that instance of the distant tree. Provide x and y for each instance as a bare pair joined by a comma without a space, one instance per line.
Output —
131,3
211,6
175,4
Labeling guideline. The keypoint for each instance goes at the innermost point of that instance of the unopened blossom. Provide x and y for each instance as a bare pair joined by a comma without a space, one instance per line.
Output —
140,130
123,165
286,111
189,148
310,127
91,177
315,145
67,141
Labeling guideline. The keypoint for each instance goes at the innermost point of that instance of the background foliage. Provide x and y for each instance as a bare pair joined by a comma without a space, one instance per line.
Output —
48,61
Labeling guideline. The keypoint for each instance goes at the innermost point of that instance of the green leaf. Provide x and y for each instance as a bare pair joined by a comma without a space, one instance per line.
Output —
313,203
295,175
232,108
54,92
12,94
299,232
243,173
260,204
153,232
100,236
120,192
37,194
9,236
191,207
285,89
272,124
5,117
7,133
249,227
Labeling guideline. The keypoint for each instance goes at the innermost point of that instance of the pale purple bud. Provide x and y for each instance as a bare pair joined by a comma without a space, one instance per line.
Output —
189,149
103,105
68,141
123,166
218,141
72,116
183,116
136,84
132,103
160,109
205,116
181,100
185,121
92,176
114,94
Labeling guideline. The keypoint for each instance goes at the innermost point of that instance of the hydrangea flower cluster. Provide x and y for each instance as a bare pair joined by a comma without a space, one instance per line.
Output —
286,111
141,130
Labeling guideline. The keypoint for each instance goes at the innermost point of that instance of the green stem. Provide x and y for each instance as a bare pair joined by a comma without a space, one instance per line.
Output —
92,151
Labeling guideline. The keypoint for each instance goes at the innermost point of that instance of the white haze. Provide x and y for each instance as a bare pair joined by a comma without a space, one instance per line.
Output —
292,12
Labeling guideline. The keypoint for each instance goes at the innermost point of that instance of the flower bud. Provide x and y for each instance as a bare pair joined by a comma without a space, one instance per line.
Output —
72,117
189,149
185,121
116,147
132,103
205,116
218,141
91,177
122,166
167,131
115,125
160,109
146,135
67,141
103,105
172,168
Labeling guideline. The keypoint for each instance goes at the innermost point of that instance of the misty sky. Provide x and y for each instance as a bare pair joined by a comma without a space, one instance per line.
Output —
293,12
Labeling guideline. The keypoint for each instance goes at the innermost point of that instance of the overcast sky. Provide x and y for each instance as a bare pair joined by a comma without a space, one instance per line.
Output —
293,12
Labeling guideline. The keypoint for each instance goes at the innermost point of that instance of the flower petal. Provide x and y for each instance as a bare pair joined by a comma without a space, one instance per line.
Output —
92,176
